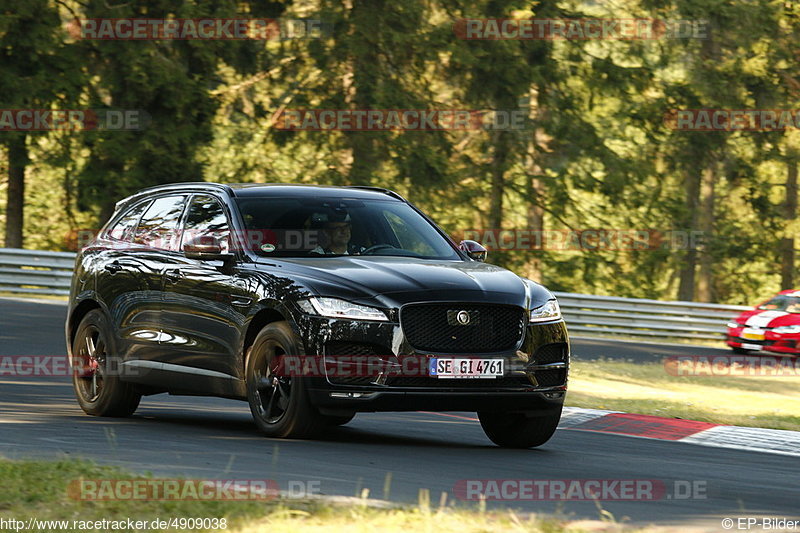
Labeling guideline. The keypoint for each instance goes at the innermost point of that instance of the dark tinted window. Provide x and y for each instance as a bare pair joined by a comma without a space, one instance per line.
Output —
158,227
122,230
206,216
315,227
782,302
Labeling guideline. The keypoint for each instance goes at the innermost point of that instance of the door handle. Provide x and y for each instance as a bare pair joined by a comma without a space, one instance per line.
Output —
173,275
113,267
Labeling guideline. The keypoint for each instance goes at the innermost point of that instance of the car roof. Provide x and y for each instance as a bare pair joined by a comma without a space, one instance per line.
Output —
255,190
294,189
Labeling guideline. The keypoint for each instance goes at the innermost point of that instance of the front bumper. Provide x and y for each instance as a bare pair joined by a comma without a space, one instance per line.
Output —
535,378
787,343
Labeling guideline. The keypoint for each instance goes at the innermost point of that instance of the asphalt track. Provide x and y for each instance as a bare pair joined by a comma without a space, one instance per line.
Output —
214,438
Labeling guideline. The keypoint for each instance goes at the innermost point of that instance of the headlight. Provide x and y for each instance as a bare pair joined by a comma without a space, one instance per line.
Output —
734,325
546,312
787,329
335,308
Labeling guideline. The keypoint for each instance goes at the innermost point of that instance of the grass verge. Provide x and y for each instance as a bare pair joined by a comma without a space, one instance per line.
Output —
38,489
768,402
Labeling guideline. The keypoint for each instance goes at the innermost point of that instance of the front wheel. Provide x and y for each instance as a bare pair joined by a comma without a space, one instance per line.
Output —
279,403
519,430
96,369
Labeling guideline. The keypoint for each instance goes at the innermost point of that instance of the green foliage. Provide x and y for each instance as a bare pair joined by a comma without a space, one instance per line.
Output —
596,152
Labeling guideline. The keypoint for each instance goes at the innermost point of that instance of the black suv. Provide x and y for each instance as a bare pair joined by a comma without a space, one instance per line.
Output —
312,304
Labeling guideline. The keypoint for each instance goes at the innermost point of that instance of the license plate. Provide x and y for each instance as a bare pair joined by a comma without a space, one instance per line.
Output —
441,367
754,347
753,334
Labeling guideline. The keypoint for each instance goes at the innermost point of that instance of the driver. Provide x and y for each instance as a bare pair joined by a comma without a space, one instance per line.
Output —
334,237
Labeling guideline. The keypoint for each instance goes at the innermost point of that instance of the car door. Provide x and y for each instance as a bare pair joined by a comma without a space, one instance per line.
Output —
122,285
154,241
205,304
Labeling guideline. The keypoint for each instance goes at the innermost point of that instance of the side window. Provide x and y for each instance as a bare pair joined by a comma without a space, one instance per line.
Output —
159,226
206,216
122,230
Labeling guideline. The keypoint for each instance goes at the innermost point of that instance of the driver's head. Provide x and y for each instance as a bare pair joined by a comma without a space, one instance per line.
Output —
338,232
335,226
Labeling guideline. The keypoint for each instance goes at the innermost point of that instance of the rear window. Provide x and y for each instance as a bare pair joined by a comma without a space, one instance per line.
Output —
159,225
122,230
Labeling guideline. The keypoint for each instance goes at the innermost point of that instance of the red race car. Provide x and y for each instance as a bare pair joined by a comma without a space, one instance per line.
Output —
773,326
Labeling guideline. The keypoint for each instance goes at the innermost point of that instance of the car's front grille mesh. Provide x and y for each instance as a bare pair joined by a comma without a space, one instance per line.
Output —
550,353
556,352
490,328
351,351
550,378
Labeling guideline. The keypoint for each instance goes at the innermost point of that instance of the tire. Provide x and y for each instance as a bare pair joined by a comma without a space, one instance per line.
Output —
96,368
519,430
280,405
739,350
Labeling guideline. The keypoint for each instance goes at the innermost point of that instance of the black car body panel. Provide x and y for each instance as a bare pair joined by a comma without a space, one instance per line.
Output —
184,325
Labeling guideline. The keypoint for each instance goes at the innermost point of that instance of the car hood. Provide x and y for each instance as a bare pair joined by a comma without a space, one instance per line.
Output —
768,319
398,280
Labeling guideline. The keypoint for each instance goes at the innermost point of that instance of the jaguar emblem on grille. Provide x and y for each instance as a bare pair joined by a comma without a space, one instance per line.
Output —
462,317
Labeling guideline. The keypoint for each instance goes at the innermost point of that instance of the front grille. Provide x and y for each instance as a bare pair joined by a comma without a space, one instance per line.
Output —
752,341
434,327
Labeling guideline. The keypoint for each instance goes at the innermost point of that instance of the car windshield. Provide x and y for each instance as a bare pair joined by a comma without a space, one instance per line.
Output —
790,304
320,227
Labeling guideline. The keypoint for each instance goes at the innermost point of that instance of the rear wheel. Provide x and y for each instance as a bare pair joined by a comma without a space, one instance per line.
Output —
280,404
519,430
96,368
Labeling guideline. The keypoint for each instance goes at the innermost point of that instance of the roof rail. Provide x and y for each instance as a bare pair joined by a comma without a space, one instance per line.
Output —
170,186
376,189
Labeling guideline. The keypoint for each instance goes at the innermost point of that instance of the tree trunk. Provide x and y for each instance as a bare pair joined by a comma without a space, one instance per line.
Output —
498,171
705,281
687,271
365,62
15,201
790,214
535,216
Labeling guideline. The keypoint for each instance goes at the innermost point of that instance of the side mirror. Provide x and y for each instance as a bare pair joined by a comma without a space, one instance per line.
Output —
474,250
205,247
